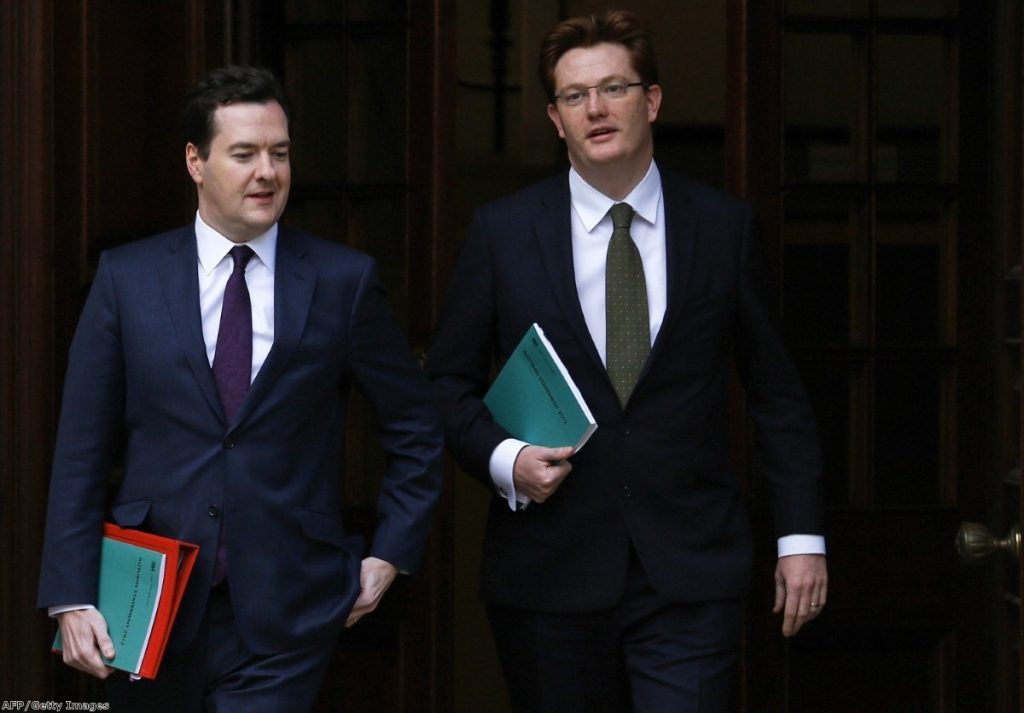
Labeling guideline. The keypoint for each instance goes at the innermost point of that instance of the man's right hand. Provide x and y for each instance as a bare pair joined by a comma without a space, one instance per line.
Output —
84,637
539,471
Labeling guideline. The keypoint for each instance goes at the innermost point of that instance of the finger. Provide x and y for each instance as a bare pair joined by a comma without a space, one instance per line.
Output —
820,596
106,646
355,615
780,594
797,608
558,455
88,662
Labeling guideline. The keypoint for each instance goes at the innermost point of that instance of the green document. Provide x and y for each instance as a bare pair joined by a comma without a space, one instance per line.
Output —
131,578
535,399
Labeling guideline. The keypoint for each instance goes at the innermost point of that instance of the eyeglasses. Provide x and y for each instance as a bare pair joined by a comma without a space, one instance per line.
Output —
609,89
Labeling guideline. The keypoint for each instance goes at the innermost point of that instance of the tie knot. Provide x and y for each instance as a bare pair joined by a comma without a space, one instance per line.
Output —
622,215
241,254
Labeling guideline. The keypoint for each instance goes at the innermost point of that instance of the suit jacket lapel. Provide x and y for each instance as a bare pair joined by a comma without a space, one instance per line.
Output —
680,247
294,280
179,277
553,230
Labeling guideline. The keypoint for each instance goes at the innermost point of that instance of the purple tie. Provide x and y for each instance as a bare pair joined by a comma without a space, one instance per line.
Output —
232,359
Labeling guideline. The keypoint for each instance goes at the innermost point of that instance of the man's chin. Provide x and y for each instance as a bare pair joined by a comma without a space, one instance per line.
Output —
261,222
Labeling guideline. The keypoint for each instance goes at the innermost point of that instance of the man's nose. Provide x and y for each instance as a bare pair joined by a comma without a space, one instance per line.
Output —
595,101
264,166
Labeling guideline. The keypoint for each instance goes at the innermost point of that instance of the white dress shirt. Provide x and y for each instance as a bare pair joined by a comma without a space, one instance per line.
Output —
591,233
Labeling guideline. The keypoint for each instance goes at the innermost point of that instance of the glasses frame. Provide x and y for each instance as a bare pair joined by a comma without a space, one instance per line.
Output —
601,89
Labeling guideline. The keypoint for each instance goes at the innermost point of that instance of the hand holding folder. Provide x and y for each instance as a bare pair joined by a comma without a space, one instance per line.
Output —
142,581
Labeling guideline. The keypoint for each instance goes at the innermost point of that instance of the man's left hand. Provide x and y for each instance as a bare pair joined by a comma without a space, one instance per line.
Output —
375,576
801,588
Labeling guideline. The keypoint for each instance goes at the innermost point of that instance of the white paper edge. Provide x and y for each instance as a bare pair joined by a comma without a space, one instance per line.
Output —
572,386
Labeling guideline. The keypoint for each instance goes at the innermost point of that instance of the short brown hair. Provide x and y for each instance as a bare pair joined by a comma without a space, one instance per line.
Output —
617,27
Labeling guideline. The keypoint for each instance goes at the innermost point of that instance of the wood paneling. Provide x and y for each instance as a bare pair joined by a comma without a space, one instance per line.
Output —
26,337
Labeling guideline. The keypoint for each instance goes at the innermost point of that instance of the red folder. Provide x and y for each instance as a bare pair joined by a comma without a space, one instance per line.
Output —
181,557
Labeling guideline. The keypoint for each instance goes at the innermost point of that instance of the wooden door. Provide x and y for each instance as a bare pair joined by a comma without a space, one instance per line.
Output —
865,140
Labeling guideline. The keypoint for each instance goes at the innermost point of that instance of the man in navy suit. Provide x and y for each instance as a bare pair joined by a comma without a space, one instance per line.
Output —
615,576
248,467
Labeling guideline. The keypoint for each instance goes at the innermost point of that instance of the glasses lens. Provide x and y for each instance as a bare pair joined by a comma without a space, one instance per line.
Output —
614,90
572,97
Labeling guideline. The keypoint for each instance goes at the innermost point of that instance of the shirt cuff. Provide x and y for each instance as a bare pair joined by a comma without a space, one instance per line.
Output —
501,466
801,545
61,608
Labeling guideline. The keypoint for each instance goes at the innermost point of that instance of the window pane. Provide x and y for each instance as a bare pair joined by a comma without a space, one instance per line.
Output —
907,294
828,385
816,295
821,238
911,274
908,415
820,104
913,109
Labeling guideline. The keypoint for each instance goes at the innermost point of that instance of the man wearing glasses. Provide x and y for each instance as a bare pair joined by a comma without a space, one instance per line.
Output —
615,576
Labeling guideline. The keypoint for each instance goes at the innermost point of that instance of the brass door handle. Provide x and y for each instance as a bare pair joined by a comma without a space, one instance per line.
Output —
976,542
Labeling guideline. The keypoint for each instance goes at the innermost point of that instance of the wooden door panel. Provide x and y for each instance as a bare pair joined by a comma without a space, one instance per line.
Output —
874,214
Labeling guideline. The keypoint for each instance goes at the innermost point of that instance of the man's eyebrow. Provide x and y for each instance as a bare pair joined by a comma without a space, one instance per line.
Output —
609,78
250,145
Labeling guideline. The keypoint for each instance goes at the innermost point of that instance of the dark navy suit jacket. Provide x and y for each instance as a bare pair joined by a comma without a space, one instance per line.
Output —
140,390
656,473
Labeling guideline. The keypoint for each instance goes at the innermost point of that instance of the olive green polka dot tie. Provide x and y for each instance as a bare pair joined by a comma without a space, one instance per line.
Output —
626,316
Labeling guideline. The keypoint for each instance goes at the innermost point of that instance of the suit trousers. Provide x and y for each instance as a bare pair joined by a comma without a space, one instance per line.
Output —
216,673
645,655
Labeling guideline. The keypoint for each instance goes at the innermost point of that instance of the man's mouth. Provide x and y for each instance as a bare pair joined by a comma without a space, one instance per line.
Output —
600,131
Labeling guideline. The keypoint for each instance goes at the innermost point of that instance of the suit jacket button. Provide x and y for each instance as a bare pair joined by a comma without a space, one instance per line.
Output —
229,442
214,511
625,491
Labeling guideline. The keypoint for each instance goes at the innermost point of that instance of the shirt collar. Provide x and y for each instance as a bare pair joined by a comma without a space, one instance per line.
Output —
214,247
592,206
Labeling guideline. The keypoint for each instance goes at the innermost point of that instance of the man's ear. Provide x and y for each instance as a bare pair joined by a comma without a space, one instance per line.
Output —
556,119
194,163
653,102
